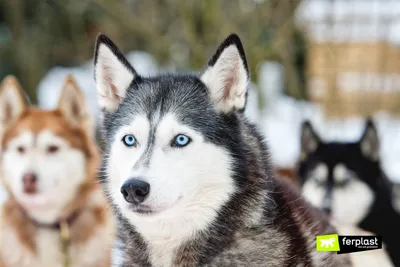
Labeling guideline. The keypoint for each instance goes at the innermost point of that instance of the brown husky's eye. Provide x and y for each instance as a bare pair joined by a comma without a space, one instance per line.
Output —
52,149
21,149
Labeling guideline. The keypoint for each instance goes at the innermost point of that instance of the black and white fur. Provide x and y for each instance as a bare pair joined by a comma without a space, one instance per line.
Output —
346,181
214,201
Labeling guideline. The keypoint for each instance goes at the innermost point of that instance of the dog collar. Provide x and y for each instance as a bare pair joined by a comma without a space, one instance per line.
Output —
58,224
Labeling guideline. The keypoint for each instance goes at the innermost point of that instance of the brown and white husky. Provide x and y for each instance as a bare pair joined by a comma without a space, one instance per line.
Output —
55,214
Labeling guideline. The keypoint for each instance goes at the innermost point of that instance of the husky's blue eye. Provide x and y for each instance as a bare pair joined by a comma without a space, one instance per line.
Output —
181,140
129,140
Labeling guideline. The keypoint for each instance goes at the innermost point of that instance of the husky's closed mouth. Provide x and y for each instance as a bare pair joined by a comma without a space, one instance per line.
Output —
144,209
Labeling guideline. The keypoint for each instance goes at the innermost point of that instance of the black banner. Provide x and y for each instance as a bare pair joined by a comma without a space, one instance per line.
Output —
353,243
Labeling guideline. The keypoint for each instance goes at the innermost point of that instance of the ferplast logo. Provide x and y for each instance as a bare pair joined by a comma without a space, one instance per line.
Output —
328,243
347,244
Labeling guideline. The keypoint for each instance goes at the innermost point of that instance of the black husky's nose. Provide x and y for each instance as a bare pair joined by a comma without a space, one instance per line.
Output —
135,191
327,210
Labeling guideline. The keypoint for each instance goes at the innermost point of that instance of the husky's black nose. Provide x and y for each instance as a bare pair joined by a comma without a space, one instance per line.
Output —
327,210
135,191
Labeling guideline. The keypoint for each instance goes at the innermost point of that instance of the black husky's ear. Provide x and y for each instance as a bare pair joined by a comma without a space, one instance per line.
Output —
309,139
227,75
369,142
113,73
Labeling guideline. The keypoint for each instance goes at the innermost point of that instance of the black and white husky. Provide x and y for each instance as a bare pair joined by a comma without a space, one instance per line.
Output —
347,182
189,177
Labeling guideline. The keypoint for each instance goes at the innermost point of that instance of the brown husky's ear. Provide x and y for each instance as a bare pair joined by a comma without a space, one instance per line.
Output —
369,142
227,76
12,101
73,106
309,139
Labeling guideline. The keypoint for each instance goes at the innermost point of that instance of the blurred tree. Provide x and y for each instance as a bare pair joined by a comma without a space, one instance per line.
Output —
43,34
177,32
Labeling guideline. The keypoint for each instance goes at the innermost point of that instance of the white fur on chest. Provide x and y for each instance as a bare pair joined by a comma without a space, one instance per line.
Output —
162,253
48,253
14,253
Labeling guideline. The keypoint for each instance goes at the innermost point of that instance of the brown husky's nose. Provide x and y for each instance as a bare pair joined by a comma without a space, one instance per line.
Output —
29,183
135,191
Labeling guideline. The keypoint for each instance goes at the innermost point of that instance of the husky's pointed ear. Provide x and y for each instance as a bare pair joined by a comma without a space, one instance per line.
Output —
227,75
309,139
73,107
12,101
369,142
113,73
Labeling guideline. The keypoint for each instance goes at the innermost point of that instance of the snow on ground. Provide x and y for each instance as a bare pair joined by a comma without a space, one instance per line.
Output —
252,109
49,88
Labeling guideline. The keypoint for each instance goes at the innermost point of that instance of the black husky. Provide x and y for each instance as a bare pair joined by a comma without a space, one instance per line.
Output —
346,181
